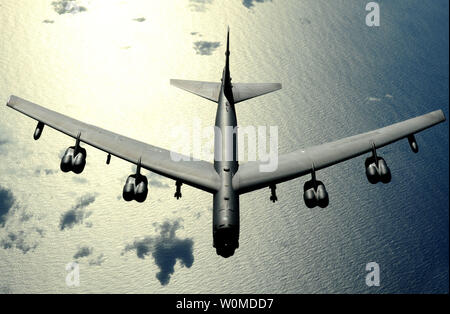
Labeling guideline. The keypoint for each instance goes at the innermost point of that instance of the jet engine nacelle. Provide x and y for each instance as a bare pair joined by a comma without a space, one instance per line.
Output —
135,188
315,194
377,170
74,160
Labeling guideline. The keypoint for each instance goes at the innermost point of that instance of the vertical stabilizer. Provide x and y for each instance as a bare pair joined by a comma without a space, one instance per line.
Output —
227,53
226,75
227,59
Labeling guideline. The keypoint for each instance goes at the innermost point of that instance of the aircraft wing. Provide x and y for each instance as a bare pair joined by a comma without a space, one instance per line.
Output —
298,163
199,174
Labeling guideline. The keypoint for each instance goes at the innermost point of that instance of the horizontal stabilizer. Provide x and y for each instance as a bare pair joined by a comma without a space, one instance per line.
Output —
208,90
244,91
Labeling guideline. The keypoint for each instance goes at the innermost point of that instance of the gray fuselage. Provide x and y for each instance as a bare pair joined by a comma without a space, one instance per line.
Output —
226,200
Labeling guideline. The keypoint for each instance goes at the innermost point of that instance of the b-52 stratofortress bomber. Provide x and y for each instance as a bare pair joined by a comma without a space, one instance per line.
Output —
226,179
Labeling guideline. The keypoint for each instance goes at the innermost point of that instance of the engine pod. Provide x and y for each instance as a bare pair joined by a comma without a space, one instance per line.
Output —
372,173
310,198
322,195
309,194
66,160
384,171
79,161
141,188
128,189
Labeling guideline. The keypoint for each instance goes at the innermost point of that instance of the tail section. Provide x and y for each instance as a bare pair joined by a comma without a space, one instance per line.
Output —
226,78
235,93
227,56
227,53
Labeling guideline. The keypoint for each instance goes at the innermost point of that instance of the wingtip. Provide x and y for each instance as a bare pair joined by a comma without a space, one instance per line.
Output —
438,116
443,115
9,102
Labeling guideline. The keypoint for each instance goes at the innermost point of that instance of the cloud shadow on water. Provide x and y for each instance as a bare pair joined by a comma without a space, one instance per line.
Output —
206,48
3,143
98,261
6,202
77,213
83,251
17,240
251,3
166,248
14,220
199,5
139,19
39,171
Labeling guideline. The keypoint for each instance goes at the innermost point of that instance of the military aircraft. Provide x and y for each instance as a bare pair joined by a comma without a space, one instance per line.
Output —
225,178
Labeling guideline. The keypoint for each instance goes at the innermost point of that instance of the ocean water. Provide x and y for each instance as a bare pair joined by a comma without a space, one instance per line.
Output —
109,62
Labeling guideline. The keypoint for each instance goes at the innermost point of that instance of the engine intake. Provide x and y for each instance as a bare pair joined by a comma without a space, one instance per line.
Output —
74,160
136,186
315,193
377,169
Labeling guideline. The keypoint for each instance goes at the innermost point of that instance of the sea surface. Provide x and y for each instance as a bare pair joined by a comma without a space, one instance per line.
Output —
108,63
